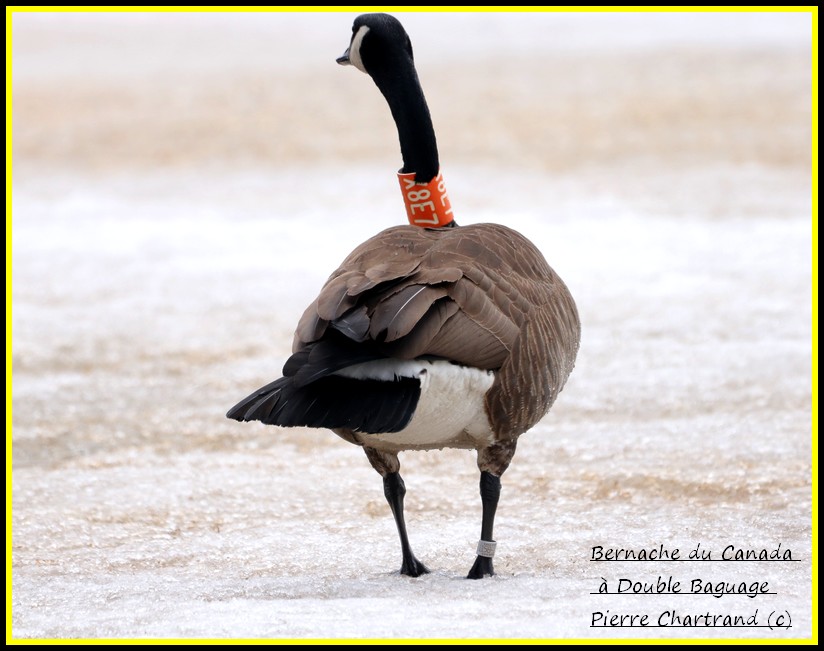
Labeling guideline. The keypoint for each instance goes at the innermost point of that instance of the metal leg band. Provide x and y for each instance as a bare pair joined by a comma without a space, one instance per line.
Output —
487,548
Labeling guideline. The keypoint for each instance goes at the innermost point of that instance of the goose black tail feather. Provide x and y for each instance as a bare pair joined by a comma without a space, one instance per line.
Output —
369,406
325,357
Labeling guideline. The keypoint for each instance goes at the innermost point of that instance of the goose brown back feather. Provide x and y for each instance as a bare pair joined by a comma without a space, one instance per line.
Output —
479,295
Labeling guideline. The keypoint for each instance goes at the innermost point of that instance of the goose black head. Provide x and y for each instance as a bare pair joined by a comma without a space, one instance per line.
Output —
381,48
379,43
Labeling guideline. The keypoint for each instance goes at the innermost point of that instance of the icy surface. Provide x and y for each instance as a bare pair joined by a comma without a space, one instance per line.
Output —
161,259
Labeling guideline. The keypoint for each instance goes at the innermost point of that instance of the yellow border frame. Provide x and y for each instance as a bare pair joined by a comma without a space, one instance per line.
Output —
814,156
420,9
813,10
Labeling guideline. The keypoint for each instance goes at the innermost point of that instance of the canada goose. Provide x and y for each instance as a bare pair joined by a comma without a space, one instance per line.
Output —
426,338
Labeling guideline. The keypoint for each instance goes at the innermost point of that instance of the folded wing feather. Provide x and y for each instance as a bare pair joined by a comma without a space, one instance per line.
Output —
479,295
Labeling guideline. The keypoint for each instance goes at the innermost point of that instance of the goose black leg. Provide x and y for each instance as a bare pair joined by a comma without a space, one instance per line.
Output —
394,489
490,491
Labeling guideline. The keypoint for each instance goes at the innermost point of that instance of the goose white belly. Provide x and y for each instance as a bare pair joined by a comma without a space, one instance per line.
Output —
450,411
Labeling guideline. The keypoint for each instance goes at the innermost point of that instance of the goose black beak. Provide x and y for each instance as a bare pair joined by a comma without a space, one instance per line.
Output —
343,59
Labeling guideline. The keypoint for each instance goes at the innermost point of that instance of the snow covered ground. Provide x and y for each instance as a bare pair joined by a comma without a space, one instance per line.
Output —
185,183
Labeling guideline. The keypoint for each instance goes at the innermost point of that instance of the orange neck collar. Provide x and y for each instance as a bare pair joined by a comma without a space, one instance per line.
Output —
427,204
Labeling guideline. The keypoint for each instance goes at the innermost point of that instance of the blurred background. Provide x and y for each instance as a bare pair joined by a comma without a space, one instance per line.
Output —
183,183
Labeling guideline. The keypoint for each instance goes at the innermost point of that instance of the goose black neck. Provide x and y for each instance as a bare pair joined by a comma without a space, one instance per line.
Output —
404,95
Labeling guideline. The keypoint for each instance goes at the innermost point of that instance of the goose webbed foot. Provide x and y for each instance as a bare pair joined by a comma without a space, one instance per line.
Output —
481,568
413,567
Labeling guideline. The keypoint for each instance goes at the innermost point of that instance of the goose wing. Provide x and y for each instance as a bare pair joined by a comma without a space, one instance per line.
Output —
479,295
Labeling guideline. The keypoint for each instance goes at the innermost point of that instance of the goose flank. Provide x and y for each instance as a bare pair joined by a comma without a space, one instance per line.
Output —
425,338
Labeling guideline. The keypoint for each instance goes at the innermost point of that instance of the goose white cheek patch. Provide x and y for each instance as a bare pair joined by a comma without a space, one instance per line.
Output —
354,48
427,204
